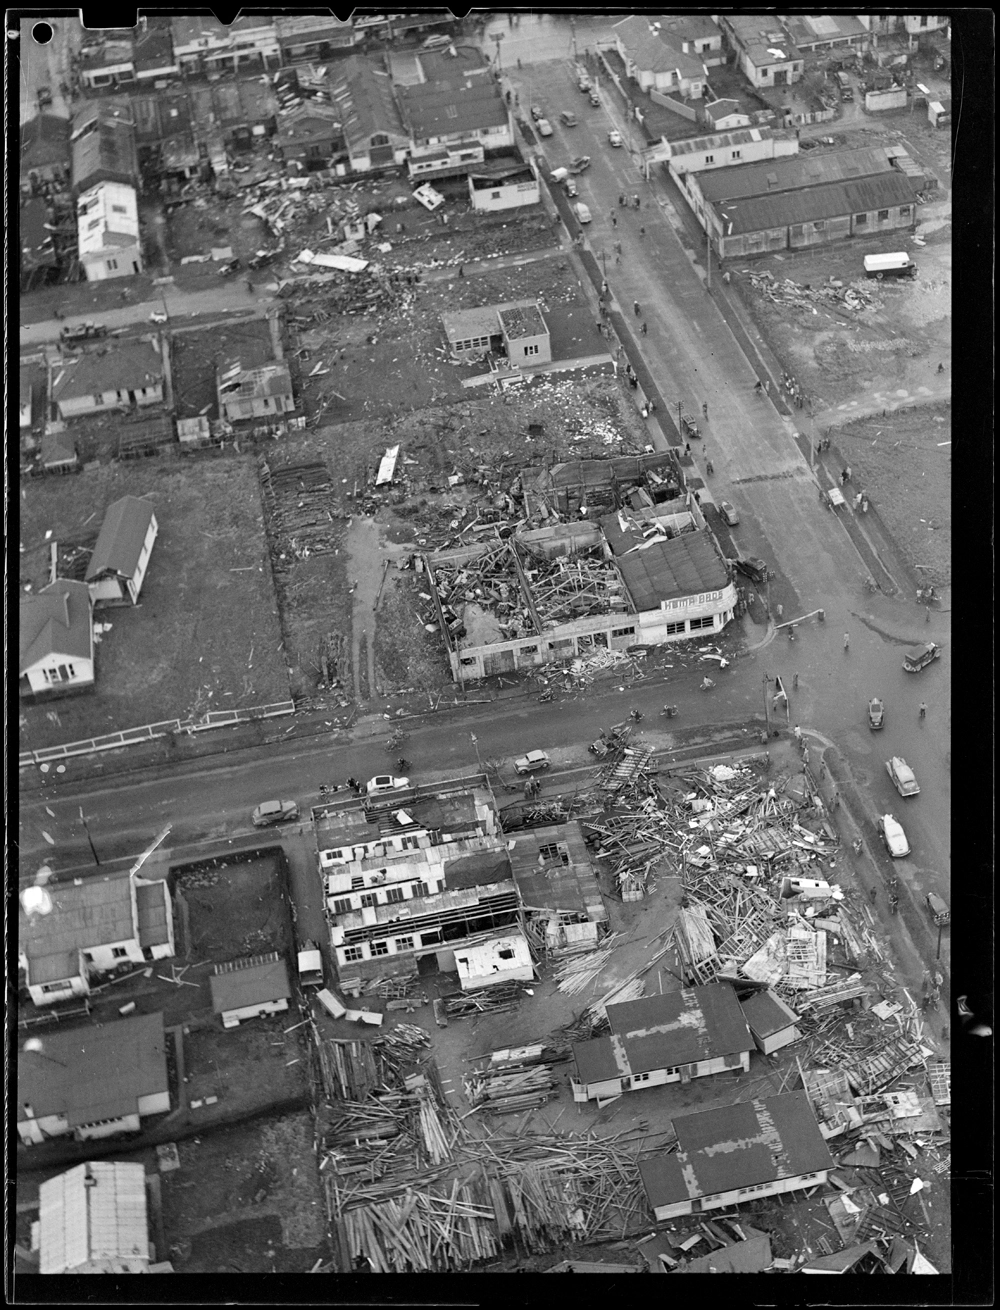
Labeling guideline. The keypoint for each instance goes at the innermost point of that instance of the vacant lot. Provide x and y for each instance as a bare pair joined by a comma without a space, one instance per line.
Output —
246,1200
251,1067
234,909
194,356
205,635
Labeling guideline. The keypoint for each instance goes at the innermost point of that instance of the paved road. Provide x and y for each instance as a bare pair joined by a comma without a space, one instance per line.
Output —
45,65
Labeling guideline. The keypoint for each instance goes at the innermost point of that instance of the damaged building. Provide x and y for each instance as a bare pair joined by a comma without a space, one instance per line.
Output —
634,565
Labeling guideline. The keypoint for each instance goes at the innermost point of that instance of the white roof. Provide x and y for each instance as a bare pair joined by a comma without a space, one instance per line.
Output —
99,1222
502,953
107,216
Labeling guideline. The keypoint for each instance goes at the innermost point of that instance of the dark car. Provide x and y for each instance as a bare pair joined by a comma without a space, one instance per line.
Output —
915,660
876,714
752,568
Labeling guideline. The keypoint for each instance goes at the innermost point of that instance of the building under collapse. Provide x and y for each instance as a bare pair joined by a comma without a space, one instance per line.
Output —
611,554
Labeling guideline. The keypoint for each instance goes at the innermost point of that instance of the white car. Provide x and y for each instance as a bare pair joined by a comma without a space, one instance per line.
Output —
385,782
902,776
582,212
728,513
544,127
533,762
891,832
614,137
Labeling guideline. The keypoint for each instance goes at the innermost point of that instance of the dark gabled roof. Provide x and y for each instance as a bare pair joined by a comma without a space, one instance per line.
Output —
685,1027
815,204
120,540
58,448
463,98
254,986
766,1013
364,99
768,177
105,153
741,1145
154,49
657,52
665,569
600,1060
152,907
95,1073
125,368
55,622
749,1257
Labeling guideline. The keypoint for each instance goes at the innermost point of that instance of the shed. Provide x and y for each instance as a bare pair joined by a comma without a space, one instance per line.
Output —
93,1220
939,113
500,960
770,1020
59,452
246,989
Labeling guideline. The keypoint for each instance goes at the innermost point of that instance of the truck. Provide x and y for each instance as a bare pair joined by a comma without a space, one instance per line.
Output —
310,965
894,264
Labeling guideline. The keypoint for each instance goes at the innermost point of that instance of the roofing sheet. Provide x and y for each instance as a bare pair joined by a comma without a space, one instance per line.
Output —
599,1060
460,324
121,537
551,884
836,200
684,1027
153,913
253,986
124,368
740,1145
94,1073
55,622
749,1257
94,1212
686,565
767,1013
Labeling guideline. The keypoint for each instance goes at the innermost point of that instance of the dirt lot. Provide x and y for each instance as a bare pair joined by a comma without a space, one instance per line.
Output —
246,1199
205,635
915,509
233,909
256,1064
194,356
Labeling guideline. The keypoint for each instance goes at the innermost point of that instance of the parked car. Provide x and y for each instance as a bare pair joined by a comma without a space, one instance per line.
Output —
582,212
535,112
83,332
385,782
939,910
728,513
891,832
310,963
583,83
915,660
44,97
157,316
876,714
230,267
614,137
753,568
533,762
544,127
580,164
595,99
572,190
268,813
902,776
567,119
436,42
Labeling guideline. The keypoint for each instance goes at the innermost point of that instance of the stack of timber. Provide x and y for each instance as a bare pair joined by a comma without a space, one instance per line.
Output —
508,1092
488,1000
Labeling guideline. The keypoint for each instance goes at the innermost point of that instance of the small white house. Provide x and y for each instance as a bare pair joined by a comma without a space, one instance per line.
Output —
770,1020
92,1082
93,1219
504,959
122,551
108,379
108,232
247,989
510,189
56,639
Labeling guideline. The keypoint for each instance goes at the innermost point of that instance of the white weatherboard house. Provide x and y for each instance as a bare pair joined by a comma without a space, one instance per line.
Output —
770,1020
663,1039
741,1152
93,927
108,232
93,1220
246,989
56,639
108,379
93,1082
121,554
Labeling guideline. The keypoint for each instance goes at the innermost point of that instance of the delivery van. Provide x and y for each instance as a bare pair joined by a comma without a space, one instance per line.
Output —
896,264
844,83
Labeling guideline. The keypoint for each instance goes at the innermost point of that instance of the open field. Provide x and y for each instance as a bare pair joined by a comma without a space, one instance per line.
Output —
205,635
246,1200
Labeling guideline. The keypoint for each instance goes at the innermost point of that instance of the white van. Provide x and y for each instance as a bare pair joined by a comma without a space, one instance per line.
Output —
582,212
896,264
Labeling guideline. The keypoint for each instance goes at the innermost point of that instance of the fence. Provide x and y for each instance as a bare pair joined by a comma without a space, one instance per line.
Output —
151,731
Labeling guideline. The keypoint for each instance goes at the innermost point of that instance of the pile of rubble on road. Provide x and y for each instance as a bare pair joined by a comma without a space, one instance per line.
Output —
786,291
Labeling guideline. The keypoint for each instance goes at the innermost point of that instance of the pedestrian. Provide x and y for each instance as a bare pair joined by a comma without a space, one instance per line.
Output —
643,328
923,710
687,448
604,287
704,409
848,472
940,368
847,641
798,733
872,893
795,682
798,400
652,404
621,201
461,271
614,221
767,385
642,231
635,307
636,202
697,497
618,259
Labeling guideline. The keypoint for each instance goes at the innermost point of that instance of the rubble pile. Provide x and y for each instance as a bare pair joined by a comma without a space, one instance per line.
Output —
785,291
487,589
301,511
568,588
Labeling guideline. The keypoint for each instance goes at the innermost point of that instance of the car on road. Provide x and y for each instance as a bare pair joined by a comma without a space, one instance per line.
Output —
567,119
385,782
44,97
583,83
891,832
436,42
535,112
582,212
269,813
533,762
614,137
580,164
902,776
157,316
83,332
595,99
572,190
915,660
876,714
939,910
544,127
729,514
753,568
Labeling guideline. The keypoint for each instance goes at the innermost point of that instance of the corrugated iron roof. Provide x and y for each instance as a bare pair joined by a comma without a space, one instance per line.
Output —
764,177
124,368
89,1074
657,51
741,1145
55,622
366,103
93,1213
685,1027
451,101
815,204
253,986
121,538
665,569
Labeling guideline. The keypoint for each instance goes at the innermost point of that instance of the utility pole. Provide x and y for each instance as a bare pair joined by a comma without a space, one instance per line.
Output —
766,688
498,37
